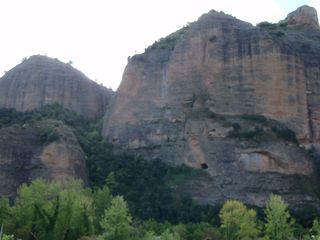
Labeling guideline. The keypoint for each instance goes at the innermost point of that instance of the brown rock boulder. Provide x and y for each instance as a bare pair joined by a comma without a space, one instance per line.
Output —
40,80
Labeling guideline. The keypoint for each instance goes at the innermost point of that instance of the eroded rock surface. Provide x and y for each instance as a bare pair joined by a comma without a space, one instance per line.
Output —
305,16
26,156
184,99
40,80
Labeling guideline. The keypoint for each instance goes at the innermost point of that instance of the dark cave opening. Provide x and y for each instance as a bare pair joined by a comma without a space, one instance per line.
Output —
204,166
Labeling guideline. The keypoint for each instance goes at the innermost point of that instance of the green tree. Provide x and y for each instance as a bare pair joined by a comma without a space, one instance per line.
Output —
279,224
169,235
4,211
197,231
53,211
117,221
75,215
101,200
166,235
238,222
7,237
316,227
150,235
34,209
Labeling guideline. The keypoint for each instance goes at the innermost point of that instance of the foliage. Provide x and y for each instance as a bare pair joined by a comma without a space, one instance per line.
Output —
150,187
52,211
197,231
150,236
316,227
117,221
4,210
275,29
285,133
267,25
169,42
247,134
69,211
101,199
146,185
168,235
55,111
279,224
48,131
254,118
7,237
156,227
237,221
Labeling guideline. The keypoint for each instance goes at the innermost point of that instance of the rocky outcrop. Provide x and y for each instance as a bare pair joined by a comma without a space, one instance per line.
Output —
25,155
305,16
185,100
40,80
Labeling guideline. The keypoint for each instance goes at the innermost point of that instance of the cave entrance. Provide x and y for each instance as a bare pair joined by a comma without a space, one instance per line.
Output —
204,166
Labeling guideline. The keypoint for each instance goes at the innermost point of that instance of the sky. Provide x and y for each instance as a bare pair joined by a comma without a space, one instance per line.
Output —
99,35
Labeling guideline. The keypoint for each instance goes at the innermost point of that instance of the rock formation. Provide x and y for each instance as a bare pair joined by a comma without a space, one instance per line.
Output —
26,155
305,16
199,95
40,80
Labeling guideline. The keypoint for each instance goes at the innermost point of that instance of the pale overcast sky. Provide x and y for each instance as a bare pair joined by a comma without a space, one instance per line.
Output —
99,35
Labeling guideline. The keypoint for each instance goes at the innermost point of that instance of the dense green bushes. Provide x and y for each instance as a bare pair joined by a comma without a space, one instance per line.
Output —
70,211
146,185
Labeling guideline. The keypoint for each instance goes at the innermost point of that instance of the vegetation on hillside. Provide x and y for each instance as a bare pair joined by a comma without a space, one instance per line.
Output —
129,197
44,210
169,42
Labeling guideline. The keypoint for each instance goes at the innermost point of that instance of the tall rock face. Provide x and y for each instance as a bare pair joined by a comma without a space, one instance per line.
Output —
228,97
40,80
27,154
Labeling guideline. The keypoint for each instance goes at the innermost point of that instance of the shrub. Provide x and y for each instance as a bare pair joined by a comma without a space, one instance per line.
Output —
267,25
253,134
254,118
285,133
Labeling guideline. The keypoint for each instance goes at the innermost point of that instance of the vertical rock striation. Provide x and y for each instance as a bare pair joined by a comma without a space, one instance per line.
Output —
188,97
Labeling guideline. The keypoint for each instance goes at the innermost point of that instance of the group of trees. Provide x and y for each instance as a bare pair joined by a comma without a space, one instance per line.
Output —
68,210
129,198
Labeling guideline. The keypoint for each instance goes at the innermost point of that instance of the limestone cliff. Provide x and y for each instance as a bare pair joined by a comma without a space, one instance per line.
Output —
40,80
45,149
195,96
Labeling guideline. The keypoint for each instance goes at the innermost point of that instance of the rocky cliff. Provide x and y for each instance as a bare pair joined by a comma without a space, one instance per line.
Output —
45,149
231,98
40,80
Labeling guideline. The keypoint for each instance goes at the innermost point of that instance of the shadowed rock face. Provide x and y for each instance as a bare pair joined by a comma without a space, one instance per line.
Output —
24,157
40,80
184,99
